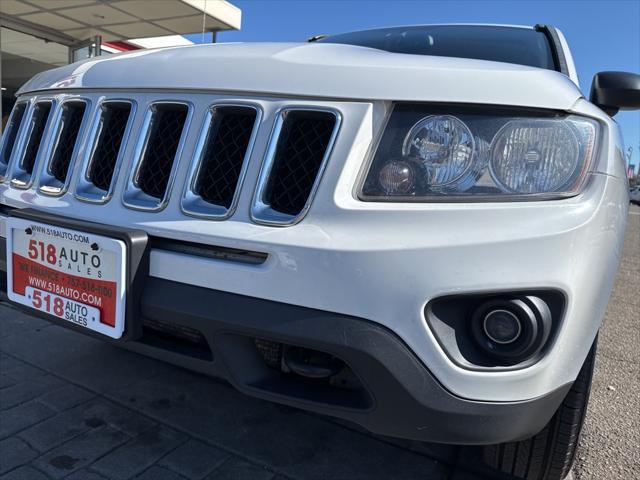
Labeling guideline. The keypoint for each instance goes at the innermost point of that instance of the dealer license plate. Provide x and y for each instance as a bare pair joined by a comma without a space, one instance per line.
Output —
73,275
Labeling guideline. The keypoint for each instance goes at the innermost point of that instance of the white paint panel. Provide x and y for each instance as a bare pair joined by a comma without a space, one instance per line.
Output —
320,70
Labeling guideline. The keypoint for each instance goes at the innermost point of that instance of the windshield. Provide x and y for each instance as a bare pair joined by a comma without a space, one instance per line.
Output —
523,46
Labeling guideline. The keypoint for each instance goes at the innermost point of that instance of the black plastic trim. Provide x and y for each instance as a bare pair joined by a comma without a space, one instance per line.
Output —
214,252
556,47
613,91
449,318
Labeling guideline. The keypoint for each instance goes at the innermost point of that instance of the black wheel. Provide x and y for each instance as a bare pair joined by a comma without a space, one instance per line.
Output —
549,454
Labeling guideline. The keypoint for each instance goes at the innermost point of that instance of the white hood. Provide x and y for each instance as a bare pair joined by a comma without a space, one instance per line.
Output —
317,70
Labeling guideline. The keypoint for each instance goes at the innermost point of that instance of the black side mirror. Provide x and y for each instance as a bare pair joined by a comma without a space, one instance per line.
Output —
613,91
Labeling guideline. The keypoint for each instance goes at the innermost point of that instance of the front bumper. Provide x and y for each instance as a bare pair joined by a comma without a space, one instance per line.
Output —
361,298
398,395
385,262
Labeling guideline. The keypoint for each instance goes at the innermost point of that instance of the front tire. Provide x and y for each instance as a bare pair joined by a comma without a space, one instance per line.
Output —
549,454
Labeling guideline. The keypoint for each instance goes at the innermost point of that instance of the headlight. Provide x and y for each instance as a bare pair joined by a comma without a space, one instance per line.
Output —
444,150
432,153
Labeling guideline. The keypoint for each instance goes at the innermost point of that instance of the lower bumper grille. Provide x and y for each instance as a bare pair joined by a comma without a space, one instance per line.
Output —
177,338
271,352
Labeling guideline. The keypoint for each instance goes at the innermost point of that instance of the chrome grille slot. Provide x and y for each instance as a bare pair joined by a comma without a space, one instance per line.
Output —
39,122
221,160
10,136
300,145
224,154
70,122
71,116
113,123
106,146
299,154
21,176
162,146
165,125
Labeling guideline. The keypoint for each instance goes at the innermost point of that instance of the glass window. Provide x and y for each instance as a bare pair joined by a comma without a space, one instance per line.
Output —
524,46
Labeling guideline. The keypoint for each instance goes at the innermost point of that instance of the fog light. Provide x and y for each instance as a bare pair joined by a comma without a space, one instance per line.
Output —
502,326
511,329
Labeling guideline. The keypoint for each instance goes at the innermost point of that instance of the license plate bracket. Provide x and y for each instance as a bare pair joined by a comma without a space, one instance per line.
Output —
134,270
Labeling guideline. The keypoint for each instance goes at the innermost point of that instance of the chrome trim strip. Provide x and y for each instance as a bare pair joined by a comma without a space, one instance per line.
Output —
4,167
20,178
133,197
261,212
85,190
47,183
192,203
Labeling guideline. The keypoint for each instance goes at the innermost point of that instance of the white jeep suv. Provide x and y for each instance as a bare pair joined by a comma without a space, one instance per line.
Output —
415,229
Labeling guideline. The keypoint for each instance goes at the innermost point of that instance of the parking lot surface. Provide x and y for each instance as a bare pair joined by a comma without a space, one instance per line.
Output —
73,407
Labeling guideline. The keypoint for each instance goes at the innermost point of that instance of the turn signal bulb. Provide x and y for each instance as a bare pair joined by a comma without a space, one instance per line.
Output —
396,177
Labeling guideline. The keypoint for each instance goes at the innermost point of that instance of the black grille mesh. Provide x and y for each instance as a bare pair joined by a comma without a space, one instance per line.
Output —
302,145
271,352
223,155
71,119
39,120
11,132
155,168
113,124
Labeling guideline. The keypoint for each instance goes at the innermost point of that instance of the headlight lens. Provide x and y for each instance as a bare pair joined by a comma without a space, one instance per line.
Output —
534,156
442,146
434,154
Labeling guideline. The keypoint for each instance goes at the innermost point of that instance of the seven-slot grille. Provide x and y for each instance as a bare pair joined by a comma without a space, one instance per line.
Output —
298,149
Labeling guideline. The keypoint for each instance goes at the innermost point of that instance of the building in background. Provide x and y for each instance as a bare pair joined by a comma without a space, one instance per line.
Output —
37,35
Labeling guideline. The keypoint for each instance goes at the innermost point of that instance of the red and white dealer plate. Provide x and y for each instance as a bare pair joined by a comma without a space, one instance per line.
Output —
76,276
